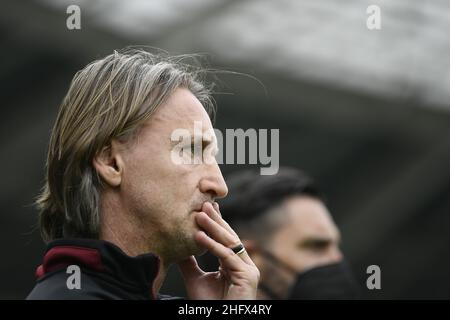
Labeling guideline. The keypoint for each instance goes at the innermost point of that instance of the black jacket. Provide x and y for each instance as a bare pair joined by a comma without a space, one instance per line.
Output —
106,272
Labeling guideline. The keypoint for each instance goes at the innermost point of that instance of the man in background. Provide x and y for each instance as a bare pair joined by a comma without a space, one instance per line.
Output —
289,234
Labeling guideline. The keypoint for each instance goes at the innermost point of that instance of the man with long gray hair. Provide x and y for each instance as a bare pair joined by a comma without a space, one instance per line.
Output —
115,211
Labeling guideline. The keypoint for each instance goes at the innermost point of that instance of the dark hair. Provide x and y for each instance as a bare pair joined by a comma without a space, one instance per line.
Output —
252,195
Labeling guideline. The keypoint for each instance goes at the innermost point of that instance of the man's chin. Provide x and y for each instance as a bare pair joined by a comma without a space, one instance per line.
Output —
194,250
197,250
201,251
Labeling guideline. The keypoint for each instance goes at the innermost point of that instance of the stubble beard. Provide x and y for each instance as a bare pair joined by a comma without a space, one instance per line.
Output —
184,244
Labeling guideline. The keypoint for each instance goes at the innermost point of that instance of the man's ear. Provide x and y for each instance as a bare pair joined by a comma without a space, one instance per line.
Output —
108,163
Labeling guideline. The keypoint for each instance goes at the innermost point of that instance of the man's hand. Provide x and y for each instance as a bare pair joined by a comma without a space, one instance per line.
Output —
237,277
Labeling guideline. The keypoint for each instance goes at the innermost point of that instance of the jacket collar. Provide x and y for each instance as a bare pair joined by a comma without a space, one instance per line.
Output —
102,257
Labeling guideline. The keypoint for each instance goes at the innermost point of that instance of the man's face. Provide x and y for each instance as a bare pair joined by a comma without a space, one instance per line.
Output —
306,238
162,194
309,237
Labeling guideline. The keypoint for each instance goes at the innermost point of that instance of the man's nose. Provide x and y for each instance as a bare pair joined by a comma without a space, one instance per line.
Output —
213,182
335,254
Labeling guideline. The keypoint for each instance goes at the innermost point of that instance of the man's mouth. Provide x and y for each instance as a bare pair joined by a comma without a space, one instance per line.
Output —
199,208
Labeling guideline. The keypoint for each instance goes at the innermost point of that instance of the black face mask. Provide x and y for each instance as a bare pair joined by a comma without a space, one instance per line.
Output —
328,282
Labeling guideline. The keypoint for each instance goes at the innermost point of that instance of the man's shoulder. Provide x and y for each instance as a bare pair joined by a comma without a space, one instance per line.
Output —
55,286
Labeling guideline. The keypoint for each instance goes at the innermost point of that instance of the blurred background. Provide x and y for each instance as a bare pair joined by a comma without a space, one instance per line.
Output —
366,112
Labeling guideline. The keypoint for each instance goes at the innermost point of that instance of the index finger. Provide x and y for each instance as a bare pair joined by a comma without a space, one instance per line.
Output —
214,214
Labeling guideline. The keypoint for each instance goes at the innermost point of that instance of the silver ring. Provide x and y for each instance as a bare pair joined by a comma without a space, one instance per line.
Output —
238,249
